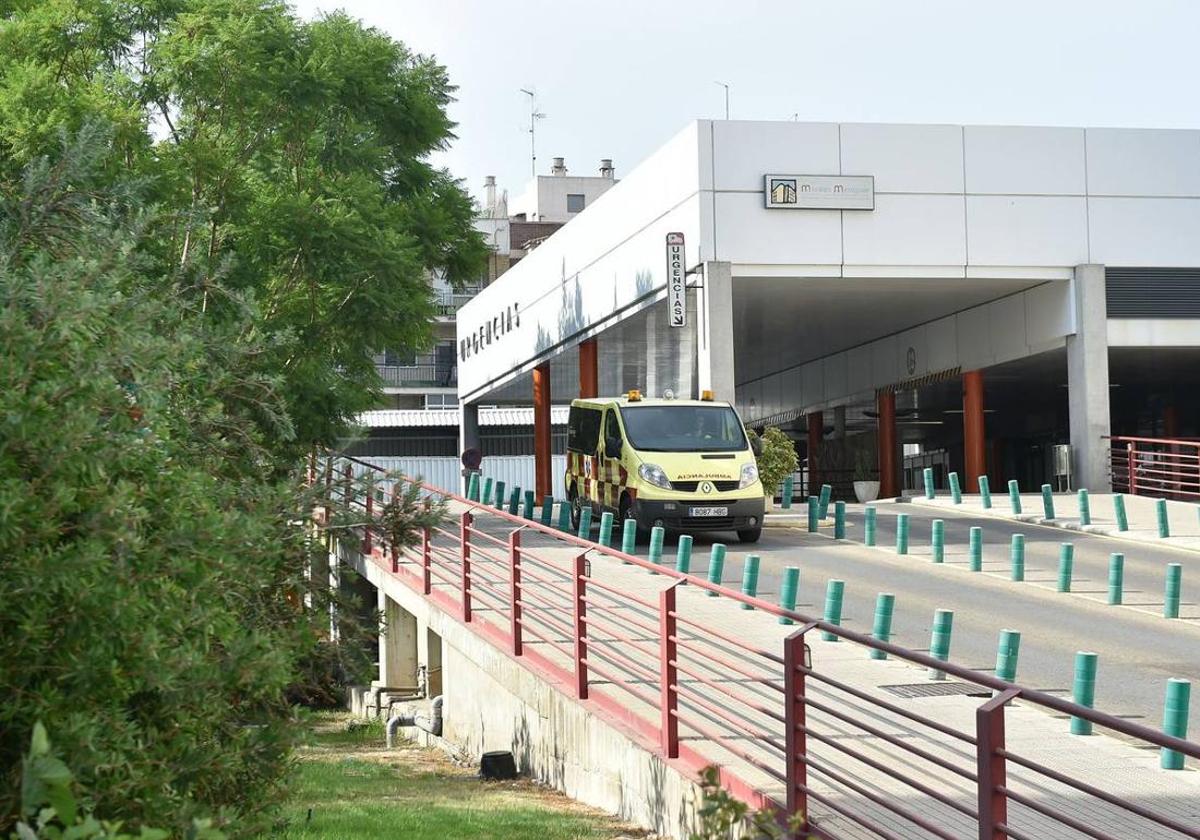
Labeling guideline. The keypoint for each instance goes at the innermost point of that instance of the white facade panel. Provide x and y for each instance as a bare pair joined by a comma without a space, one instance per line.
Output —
751,233
1154,332
1018,160
1145,231
1049,312
1026,230
907,230
1126,161
883,361
974,337
905,158
858,369
745,151
813,378
941,341
1006,323
836,374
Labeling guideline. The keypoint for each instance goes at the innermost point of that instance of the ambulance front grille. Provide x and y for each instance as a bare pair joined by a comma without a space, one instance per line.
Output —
693,486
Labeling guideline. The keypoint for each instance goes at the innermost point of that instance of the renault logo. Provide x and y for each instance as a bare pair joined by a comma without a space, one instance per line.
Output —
706,487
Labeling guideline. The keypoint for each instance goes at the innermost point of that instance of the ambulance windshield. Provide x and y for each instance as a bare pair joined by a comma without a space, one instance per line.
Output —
683,428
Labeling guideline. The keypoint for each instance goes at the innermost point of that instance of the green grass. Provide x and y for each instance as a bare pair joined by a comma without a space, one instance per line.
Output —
357,789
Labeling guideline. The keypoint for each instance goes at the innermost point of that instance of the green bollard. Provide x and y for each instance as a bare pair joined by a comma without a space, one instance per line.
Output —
750,578
656,545
547,509
606,523
1174,586
1084,689
487,491
938,541
1014,496
927,477
869,525
1160,512
1085,508
683,554
1066,562
985,492
1006,655
787,593
839,520
902,533
564,516
882,629
939,640
1016,554
812,514
629,538
1048,501
955,489
585,523
499,495
1175,720
527,505
789,487
1119,510
716,567
1116,577
514,500
975,549
823,501
473,487
834,591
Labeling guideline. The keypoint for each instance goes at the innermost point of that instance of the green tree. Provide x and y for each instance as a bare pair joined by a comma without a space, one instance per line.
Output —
777,459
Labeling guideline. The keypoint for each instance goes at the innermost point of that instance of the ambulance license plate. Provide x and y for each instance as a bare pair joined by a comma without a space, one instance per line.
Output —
708,511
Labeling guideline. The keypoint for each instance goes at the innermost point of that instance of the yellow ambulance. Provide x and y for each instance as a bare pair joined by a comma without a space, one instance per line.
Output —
685,465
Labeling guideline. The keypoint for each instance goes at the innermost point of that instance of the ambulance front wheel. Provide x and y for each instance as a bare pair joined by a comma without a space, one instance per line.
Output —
625,511
750,535
576,508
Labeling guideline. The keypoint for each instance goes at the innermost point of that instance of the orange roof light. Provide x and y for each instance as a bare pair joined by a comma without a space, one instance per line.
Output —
706,395
634,395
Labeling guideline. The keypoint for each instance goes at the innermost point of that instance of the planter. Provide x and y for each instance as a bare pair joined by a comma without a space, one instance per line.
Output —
866,491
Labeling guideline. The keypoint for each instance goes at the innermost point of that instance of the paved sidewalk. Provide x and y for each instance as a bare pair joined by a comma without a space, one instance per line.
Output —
753,696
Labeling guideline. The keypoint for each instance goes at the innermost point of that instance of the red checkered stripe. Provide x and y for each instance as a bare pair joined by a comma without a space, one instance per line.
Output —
607,481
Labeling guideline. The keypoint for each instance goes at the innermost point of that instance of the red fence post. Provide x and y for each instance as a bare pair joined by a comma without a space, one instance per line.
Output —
1131,465
465,536
990,766
795,720
370,508
668,650
514,602
426,557
395,550
581,677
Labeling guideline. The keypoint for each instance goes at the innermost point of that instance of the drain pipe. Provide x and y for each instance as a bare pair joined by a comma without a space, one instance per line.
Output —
431,723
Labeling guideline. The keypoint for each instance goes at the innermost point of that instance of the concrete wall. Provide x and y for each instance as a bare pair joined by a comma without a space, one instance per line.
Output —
545,199
491,702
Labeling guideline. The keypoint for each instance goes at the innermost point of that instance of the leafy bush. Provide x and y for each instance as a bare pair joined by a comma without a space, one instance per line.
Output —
723,816
778,459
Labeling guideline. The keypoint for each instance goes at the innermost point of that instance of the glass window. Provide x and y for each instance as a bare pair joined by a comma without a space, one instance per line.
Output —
441,401
575,202
683,428
392,358
583,429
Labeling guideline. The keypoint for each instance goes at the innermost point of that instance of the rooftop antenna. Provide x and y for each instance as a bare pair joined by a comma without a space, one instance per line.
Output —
534,116
722,84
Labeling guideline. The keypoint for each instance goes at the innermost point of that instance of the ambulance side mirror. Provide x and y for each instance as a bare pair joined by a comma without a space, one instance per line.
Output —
756,446
612,447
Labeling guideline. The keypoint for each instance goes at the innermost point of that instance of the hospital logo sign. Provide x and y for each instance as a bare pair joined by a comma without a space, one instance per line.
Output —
819,192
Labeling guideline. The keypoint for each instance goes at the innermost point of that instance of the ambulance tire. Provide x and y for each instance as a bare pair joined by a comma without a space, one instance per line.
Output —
623,513
750,535
576,507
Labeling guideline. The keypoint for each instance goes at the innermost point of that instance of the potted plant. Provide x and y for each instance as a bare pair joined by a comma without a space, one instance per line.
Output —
866,479
776,457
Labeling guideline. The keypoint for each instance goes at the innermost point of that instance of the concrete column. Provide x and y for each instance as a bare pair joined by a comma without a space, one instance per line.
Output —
397,644
889,463
974,438
714,332
1087,380
468,434
589,371
816,432
542,472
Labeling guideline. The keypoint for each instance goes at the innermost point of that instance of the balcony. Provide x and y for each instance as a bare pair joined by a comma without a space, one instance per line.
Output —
423,374
448,303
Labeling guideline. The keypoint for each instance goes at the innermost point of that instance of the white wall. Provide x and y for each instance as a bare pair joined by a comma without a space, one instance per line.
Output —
445,472
545,198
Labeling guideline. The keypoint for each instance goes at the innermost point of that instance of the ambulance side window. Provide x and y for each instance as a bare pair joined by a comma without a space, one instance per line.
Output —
612,435
583,429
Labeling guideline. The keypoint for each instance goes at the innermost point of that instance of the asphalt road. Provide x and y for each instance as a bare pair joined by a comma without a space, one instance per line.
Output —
1138,649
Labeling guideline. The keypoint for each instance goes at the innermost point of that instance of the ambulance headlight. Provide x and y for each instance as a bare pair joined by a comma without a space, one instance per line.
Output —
654,474
749,475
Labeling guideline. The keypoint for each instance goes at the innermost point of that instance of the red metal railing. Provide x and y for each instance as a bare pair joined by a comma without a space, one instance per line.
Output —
1163,467
804,735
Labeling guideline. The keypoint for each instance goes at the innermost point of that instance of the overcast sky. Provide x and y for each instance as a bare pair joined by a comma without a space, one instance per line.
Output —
618,78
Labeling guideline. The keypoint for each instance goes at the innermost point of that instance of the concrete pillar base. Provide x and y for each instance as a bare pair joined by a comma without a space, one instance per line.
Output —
1087,380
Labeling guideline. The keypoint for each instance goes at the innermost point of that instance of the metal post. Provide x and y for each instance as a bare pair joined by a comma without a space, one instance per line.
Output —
938,541
683,554
1066,561
975,549
1160,513
885,604
1014,496
991,766
527,505
564,516
487,491
669,684
473,487
1131,466
426,556
1007,651
1116,577
955,489
788,591
927,477
1017,556
1085,508
823,501
1173,588
789,486
629,538
902,533
1175,720
1119,510
1048,501
869,524
606,526
514,602
985,492
585,523
834,591
813,514
795,740
716,567
370,508
465,537
839,520
939,640
514,499
547,510
750,578
656,545
1084,689
581,677
499,495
